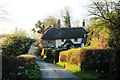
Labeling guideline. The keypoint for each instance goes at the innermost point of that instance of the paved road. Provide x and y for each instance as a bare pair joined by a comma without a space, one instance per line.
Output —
32,50
50,71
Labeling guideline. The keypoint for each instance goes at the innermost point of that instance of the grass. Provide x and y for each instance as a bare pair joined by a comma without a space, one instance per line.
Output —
81,74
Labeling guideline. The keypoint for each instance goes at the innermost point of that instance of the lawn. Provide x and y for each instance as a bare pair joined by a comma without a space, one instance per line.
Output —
81,74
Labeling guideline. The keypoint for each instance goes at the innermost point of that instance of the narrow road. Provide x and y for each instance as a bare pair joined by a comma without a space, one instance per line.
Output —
50,71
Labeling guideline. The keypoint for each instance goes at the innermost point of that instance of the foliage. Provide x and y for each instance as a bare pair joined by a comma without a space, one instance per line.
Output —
104,61
81,74
108,11
51,20
14,67
16,44
28,58
67,18
10,64
50,55
32,74
73,56
98,34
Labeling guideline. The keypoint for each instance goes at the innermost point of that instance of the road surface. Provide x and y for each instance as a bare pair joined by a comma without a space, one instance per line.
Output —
50,71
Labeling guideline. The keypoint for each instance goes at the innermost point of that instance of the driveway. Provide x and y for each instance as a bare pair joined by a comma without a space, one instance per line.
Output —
50,71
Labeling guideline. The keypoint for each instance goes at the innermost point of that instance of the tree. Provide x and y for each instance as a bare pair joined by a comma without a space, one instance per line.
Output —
41,26
38,27
98,34
2,13
108,11
51,20
67,17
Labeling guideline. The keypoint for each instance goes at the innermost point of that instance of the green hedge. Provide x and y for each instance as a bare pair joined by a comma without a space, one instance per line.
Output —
50,55
11,64
73,56
104,61
13,45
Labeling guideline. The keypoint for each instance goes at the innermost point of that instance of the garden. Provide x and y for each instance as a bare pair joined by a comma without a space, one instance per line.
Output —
16,63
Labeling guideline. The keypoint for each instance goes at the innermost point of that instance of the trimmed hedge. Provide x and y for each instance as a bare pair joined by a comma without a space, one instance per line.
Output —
50,55
103,61
11,64
73,56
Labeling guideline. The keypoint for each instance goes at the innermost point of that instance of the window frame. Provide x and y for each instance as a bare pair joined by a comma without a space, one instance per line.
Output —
62,40
76,40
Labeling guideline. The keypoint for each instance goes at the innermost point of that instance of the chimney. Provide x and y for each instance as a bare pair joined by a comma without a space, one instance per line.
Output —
58,23
43,27
84,23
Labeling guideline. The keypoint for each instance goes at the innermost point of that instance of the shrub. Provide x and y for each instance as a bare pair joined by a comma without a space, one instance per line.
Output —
14,45
10,64
73,56
28,58
50,55
103,61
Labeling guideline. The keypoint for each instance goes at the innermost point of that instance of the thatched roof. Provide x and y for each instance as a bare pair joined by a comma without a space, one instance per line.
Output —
64,33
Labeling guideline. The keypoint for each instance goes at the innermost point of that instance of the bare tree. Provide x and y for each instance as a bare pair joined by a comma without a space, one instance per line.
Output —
106,10
3,13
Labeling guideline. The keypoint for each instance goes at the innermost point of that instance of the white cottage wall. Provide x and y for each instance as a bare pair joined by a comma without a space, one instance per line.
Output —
82,45
58,43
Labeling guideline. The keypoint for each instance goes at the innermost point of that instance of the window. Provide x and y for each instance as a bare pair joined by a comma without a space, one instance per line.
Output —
84,35
62,40
75,40
49,42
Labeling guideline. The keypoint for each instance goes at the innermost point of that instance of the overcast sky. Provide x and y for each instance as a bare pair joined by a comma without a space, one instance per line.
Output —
25,13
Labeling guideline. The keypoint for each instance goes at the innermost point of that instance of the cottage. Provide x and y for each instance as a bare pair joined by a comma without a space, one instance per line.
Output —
67,36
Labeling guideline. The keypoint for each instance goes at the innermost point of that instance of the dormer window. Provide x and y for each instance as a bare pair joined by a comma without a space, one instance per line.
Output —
62,40
75,40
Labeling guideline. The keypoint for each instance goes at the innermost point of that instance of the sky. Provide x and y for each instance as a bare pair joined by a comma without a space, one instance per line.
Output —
25,13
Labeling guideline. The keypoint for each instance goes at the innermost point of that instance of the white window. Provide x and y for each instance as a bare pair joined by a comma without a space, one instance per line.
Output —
75,40
62,40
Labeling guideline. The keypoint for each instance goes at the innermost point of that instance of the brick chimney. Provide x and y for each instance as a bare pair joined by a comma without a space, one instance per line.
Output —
59,23
84,23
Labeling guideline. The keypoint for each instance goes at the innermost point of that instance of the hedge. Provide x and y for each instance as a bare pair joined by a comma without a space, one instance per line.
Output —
50,55
103,61
73,56
11,64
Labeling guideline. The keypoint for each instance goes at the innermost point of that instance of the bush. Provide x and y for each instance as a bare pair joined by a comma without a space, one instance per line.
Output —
103,61
73,56
28,58
11,64
14,45
50,55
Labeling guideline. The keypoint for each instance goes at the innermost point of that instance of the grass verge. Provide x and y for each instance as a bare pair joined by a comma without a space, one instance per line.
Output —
81,74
